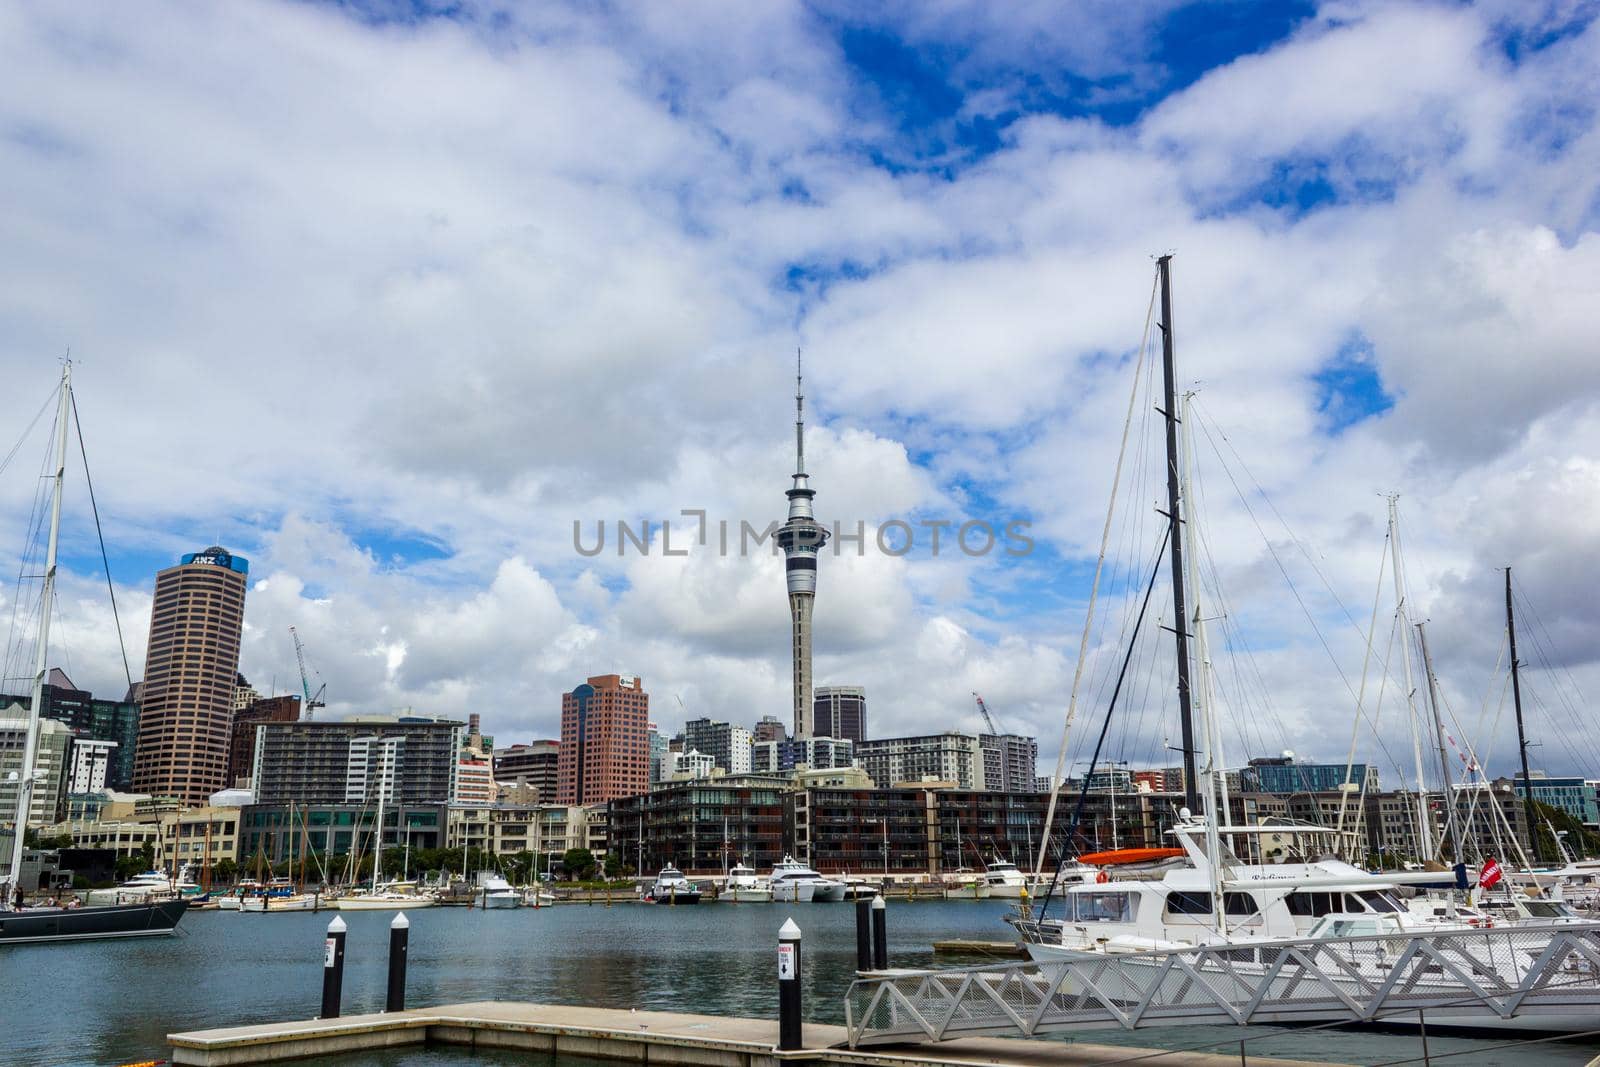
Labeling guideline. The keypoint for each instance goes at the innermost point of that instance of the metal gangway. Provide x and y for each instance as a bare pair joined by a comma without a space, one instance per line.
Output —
1456,977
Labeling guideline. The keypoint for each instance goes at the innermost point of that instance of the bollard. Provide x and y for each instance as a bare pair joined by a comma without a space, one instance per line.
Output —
789,987
864,933
332,969
880,935
399,935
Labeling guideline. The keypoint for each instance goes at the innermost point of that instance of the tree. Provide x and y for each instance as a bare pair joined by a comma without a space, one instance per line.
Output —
224,870
613,865
579,863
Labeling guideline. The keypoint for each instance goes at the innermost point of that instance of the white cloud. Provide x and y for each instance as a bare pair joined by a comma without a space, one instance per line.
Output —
339,287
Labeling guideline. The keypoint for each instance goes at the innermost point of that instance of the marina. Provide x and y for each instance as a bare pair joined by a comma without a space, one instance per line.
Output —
116,1002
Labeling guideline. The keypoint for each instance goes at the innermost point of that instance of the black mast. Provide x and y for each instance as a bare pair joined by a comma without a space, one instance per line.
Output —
1522,738
1191,784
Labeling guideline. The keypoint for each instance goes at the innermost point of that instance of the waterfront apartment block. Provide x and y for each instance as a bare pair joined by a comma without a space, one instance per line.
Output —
532,766
840,711
1573,795
781,757
704,825
242,735
950,756
275,833
48,801
1009,762
507,829
199,836
190,670
604,748
412,760
728,744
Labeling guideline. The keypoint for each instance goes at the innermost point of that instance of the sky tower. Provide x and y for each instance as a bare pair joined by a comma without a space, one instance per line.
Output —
801,538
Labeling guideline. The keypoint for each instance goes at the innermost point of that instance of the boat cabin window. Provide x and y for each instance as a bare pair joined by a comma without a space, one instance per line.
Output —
1318,904
1346,928
1101,907
1545,909
1199,903
1378,900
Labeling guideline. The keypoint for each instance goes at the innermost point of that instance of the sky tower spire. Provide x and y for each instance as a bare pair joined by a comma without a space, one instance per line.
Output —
801,539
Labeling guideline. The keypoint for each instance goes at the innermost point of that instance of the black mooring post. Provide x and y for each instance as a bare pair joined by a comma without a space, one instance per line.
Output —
399,936
880,934
333,969
863,933
789,987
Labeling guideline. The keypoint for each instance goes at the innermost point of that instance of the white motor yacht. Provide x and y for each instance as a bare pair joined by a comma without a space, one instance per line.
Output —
1005,882
140,889
671,887
794,882
963,883
744,886
495,892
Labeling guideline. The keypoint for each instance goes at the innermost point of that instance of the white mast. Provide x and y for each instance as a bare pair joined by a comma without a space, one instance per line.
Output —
30,744
1402,613
1214,778
385,748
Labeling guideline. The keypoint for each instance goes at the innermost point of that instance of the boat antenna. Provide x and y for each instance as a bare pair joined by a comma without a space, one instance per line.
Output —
1191,790
1522,737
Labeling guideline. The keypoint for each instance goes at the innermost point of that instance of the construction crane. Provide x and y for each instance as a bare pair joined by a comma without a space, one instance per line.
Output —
984,708
312,701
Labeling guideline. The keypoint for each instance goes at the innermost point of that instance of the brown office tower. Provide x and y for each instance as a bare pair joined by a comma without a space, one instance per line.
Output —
189,672
604,751
242,746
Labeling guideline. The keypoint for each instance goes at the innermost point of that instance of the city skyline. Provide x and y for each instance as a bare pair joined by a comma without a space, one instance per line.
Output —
1377,289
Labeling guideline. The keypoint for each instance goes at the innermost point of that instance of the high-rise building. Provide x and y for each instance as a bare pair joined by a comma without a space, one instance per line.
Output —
770,728
949,757
532,766
189,677
474,781
1281,774
604,750
658,745
801,539
840,711
781,757
93,719
47,802
87,766
1009,762
411,760
726,743
242,735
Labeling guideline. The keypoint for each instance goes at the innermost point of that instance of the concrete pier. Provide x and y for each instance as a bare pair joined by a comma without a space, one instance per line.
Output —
663,1038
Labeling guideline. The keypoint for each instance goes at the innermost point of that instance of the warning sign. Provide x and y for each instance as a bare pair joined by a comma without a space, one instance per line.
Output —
786,961
328,947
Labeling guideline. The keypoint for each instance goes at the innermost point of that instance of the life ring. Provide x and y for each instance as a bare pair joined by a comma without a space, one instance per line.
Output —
1102,877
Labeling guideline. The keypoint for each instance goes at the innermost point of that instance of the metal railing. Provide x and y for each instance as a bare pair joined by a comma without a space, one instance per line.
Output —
1461,977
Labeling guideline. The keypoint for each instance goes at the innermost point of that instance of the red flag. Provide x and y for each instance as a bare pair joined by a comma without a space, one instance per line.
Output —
1489,874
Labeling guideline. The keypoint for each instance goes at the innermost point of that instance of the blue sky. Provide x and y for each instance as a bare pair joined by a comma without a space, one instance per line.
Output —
386,296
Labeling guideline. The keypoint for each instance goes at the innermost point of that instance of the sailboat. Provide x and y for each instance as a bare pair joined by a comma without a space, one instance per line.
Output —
20,924
1140,907
388,896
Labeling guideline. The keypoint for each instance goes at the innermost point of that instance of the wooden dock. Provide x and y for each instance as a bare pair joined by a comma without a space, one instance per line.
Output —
657,1038
961,947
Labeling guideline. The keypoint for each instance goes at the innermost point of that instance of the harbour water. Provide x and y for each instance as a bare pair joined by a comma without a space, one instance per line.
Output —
114,1002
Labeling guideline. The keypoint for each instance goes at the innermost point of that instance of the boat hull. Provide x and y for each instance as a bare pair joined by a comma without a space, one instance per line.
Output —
692,897
262,905
746,895
497,901
382,904
91,923
793,892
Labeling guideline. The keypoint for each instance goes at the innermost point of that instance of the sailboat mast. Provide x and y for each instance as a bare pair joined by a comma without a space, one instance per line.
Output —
1522,737
30,744
1452,825
1180,619
1402,610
